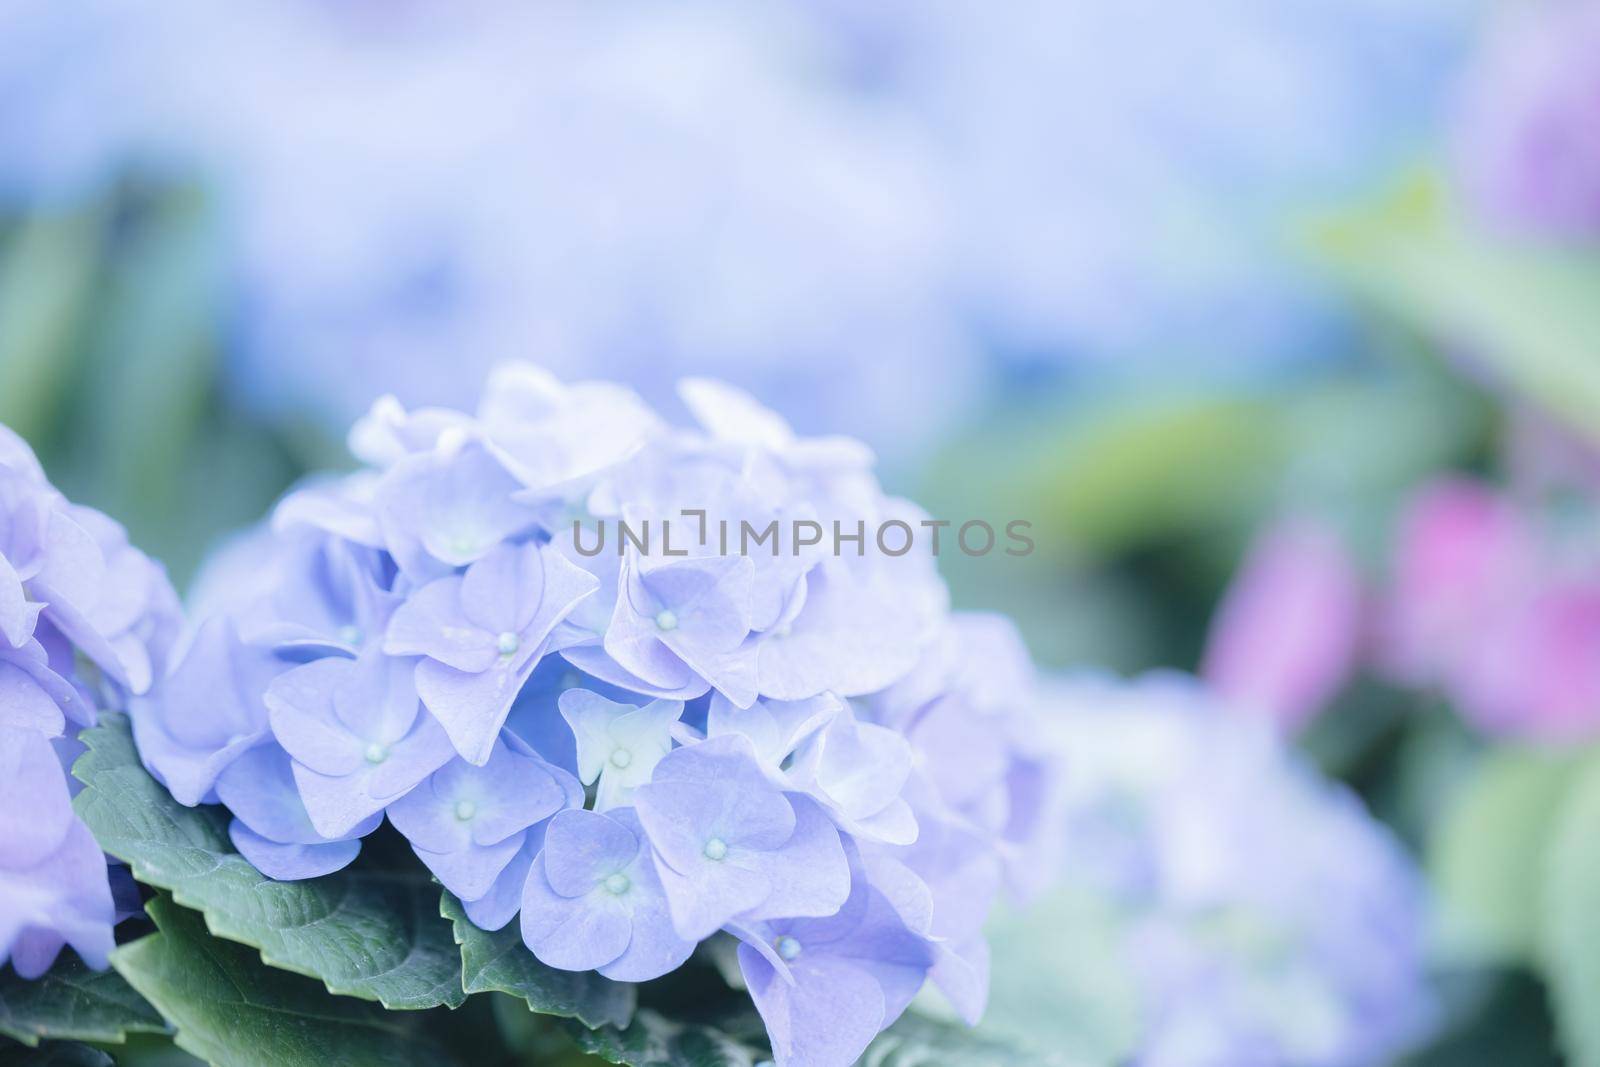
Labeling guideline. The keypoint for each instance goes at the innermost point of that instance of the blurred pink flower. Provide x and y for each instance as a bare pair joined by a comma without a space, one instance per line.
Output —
1489,608
1537,671
1529,137
1463,557
1286,635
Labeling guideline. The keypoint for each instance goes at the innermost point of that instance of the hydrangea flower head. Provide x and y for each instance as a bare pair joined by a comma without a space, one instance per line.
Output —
86,622
1274,920
646,685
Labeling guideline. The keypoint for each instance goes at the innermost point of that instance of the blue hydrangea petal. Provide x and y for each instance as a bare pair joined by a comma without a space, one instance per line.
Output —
18,614
24,704
854,635
388,433
472,707
343,507
463,805
431,623
961,973
303,719
36,810
502,591
484,634
618,745
447,508
809,875
572,933
583,848
857,769
655,947
680,683
292,862
471,872
552,435
260,790
53,885
775,727
712,788
825,1017
377,700
494,909
208,712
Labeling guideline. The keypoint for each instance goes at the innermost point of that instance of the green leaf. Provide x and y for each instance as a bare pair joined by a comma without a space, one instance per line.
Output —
53,1054
498,961
1570,932
230,1010
1487,860
918,1041
1531,312
373,935
47,273
70,1001
652,1040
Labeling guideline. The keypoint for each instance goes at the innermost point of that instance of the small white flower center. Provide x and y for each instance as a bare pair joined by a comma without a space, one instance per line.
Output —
507,643
788,947
349,635
617,884
376,753
465,809
621,757
716,848
666,620
464,545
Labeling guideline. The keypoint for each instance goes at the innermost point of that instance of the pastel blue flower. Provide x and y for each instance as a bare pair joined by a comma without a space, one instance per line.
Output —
359,736
481,634
618,745
827,986
680,625
271,827
1272,918
468,822
208,713
86,622
447,507
594,901
731,844
53,888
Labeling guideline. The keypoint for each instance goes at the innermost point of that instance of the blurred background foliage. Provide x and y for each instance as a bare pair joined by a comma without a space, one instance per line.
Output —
1148,277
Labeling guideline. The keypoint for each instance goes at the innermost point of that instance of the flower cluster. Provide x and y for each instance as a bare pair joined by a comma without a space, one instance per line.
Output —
1273,920
634,749
85,622
1496,604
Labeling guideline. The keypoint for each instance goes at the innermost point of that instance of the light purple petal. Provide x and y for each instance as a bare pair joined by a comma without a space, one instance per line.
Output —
471,872
826,1018
500,904
809,875
501,592
573,934
472,707
289,863
431,623
583,848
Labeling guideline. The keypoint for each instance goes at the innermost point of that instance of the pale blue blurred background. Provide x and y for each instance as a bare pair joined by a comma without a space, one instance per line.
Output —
970,233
